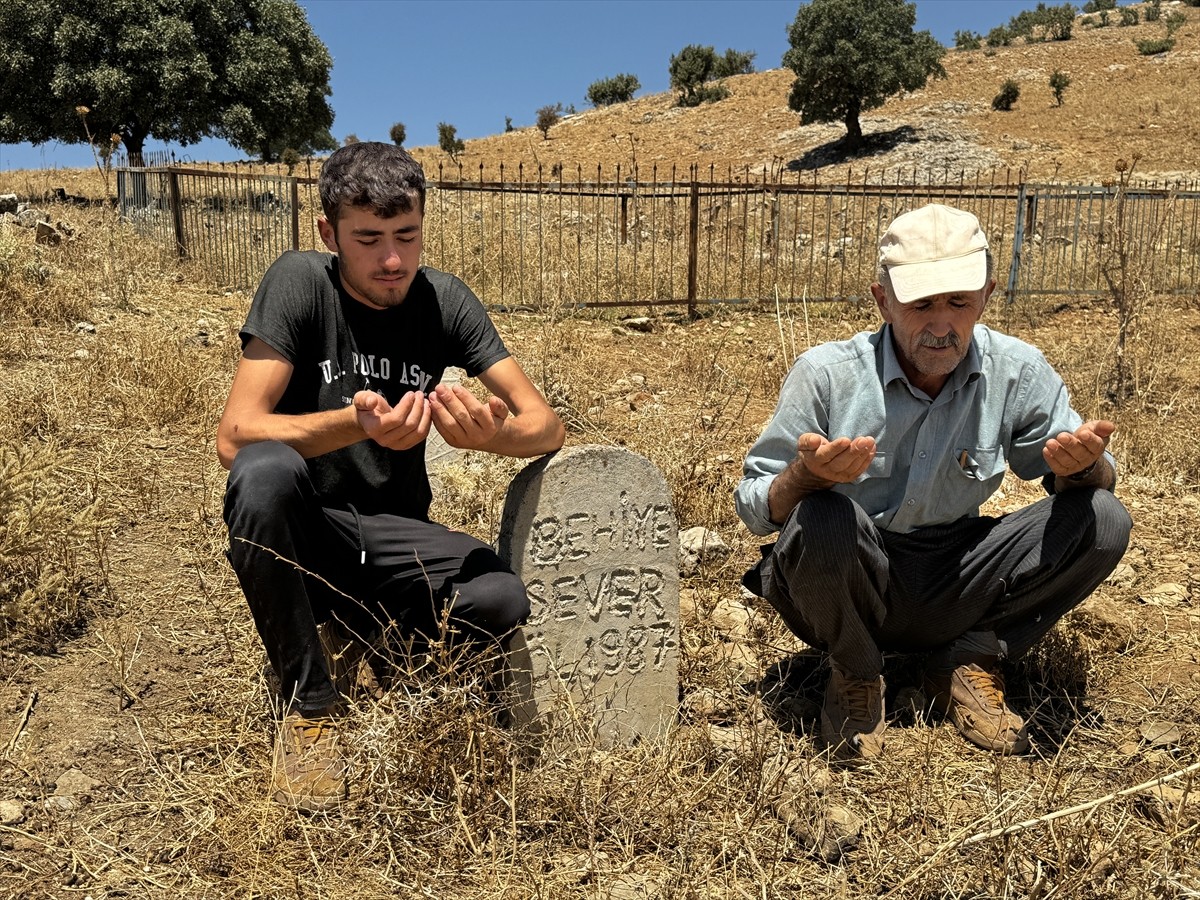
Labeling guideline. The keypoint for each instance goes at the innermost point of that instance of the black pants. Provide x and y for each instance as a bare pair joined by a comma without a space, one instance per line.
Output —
297,561
978,585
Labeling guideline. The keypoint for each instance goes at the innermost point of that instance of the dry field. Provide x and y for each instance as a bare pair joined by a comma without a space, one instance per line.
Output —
135,721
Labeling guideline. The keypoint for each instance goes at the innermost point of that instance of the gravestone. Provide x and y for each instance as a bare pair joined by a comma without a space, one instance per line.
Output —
439,454
591,532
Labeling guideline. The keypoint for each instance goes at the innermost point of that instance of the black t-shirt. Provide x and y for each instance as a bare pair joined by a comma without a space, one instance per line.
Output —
339,346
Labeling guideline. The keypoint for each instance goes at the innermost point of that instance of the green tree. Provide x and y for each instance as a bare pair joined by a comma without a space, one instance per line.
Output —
1000,36
691,69
449,141
249,71
1059,82
734,62
547,117
1009,92
1045,23
849,56
398,133
967,40
618,89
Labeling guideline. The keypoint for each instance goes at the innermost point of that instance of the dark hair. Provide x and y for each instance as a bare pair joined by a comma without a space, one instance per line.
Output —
371,175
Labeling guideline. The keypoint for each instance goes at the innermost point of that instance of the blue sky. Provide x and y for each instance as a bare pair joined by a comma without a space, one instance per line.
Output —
473,62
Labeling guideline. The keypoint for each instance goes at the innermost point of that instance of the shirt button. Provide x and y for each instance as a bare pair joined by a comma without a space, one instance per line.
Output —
922,454
911,502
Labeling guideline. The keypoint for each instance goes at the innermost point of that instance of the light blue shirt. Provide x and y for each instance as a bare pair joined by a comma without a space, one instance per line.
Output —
937,459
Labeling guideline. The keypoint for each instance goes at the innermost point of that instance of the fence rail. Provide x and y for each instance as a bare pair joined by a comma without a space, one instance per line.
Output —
535,238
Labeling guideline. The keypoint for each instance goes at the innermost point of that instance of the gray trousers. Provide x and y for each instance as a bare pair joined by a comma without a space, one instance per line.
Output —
978,585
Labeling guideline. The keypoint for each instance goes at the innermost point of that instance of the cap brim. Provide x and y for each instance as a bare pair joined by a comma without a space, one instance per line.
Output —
916,281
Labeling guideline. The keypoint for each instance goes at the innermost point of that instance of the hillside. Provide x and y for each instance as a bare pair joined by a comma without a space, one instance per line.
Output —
1119,103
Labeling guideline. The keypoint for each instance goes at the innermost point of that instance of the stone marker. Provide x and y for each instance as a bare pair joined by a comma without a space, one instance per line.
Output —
591,532
439,454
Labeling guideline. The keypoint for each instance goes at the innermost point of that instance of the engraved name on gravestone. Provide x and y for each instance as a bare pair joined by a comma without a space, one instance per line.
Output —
591,532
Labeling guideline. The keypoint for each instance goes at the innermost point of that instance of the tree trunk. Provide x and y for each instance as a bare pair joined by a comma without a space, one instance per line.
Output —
854,135
139,195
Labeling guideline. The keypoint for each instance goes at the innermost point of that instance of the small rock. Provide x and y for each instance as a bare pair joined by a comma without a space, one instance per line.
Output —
1168,594
706,703
61,804
74,782
700,545
85,327
29,217
730,739
731,618
80,354
47,234
12,812
1161,734
638,323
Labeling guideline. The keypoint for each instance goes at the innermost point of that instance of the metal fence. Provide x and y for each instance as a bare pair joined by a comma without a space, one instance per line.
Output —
590,238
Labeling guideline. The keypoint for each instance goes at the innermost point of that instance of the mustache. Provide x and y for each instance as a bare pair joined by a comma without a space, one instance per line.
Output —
938,343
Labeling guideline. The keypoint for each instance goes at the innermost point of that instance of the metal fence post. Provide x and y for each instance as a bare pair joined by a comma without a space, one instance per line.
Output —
176,212
1014,269
693,244
295,185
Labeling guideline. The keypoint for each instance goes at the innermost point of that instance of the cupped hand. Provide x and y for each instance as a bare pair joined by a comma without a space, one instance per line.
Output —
396,427
1072,452
463,420
840,461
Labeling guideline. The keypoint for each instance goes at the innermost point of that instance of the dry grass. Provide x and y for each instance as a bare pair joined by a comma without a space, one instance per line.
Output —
163,700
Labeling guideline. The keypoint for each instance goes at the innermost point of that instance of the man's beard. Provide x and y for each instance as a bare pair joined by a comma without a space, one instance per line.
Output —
939,364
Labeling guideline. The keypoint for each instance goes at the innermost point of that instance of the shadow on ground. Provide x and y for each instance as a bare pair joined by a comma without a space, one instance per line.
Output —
840,151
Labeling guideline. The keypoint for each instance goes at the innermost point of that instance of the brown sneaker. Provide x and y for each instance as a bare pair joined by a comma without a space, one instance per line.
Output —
972,697
852,716
310,769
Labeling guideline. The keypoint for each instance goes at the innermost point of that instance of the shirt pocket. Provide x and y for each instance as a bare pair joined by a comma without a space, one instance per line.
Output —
978,464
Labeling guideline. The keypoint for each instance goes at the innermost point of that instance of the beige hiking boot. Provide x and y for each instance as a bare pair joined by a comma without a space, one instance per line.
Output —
852,718
309,766
347,659
972,697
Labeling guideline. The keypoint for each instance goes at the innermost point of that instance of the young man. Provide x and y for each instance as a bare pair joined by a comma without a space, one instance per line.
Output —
873,469
324,437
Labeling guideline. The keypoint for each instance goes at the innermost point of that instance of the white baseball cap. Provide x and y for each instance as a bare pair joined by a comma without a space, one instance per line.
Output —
934,250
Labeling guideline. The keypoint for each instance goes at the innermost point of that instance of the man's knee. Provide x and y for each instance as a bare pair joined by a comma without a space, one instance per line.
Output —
493,604
1098,518
262,473
823,529
1113,523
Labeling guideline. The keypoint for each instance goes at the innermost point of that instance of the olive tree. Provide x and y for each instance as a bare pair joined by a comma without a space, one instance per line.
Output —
249,71
849,56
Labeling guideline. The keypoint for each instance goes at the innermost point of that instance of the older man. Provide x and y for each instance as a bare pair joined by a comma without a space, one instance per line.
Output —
873,469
